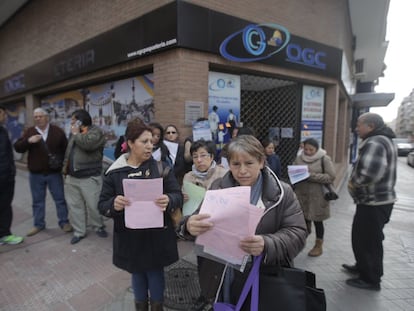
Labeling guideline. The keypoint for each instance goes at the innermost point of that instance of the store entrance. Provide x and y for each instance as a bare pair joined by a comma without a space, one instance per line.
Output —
272,107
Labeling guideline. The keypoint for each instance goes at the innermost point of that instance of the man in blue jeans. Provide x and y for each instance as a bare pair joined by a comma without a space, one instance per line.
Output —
40,141
7,180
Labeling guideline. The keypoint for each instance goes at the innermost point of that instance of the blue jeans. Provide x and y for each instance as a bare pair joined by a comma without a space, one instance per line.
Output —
152,281
38,184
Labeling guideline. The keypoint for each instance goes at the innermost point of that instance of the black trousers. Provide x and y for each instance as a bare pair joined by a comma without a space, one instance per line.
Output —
367,237
6,214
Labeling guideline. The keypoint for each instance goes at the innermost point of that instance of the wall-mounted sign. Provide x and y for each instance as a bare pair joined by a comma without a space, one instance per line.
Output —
313,100
193,111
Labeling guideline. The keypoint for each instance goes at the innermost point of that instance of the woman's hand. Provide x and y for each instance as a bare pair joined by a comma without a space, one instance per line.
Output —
253,245
120,202
162,202
197,224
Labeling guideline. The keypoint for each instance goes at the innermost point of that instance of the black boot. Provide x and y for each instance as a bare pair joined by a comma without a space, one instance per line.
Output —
141,305
156,306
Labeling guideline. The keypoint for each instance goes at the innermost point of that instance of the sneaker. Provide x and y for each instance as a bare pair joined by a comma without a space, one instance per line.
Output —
11,239
67,227
101,232
34,230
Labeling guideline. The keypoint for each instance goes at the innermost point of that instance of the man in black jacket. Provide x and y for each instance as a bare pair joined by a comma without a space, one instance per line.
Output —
7,175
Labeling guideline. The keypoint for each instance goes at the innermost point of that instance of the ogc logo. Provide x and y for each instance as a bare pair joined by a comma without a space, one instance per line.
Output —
255,42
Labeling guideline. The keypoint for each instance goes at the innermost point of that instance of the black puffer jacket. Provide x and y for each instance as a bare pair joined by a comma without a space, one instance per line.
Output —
7,166
282,227
137,250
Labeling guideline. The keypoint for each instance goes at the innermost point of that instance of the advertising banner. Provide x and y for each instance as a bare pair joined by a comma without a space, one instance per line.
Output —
313,101
223,105
111,105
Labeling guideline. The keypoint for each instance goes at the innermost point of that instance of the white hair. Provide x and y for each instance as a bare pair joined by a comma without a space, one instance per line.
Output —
41,111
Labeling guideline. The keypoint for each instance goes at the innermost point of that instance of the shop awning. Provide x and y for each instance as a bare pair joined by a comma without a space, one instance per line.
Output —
366,100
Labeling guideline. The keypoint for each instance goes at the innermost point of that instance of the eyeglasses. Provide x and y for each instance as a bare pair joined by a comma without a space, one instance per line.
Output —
201,156
171,132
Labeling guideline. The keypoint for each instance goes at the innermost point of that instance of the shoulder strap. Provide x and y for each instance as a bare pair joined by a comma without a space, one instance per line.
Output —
163,171
252,283
45,146
323,165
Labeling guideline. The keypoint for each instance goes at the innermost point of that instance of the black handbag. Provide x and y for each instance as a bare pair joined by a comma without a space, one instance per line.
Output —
329,193
282,289
55,161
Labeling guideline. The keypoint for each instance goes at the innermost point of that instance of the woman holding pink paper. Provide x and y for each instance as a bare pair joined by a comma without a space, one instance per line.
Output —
280,234
142,252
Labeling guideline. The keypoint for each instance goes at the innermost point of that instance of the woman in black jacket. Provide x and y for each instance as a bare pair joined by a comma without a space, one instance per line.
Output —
142,252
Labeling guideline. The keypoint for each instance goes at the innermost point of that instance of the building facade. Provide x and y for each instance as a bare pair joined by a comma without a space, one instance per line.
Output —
284,68
405,119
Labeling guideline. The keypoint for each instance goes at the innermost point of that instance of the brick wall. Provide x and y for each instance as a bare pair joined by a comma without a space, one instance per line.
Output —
46,27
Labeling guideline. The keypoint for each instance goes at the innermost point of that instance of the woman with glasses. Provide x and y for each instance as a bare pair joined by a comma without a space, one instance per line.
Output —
160,151
171,135
204,172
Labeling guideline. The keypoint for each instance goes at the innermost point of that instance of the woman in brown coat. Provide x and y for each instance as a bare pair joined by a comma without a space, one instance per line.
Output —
309,192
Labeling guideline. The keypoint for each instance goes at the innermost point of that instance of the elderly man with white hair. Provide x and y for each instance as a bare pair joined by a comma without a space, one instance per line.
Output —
44,141
372,186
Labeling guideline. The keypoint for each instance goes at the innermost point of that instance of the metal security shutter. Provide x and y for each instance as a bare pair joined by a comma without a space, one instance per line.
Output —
269,102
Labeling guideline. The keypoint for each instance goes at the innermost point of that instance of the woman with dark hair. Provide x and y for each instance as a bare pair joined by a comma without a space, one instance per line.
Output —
205,170
280,234
309,191
121,145
142,252
180,165
273,160
160,151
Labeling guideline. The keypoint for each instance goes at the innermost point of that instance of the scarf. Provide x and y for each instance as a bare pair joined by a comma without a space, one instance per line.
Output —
256,190
318,155
203,175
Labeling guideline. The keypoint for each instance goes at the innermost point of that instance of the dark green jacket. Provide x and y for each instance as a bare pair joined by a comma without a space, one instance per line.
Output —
84,154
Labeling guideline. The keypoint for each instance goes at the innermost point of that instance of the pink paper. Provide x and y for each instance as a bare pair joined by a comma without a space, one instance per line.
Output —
234,218
143,213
